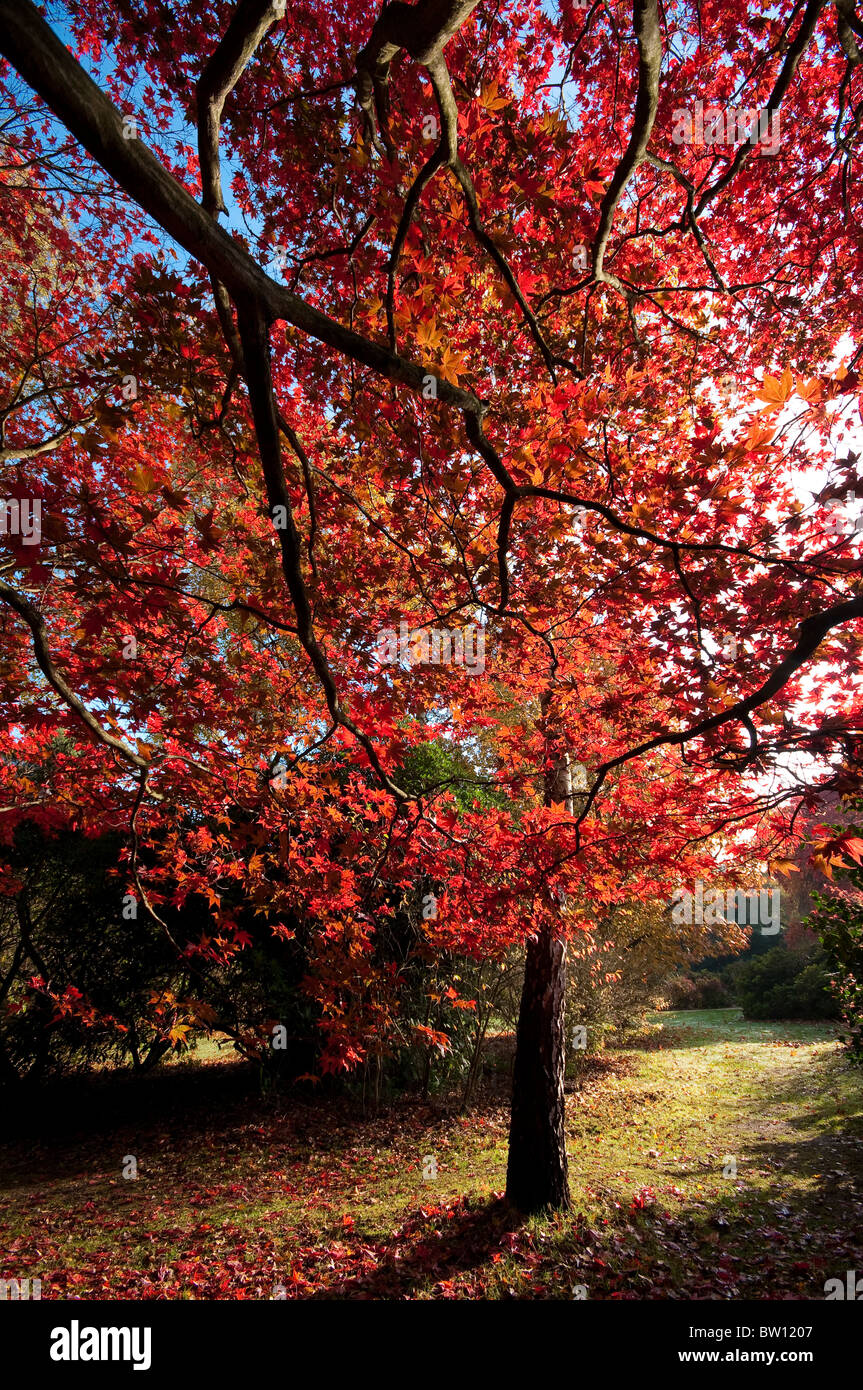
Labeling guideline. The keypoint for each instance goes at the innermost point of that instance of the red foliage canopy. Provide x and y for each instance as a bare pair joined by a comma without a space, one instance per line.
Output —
327,330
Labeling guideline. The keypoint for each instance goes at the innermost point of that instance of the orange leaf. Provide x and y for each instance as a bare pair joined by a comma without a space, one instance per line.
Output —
775,390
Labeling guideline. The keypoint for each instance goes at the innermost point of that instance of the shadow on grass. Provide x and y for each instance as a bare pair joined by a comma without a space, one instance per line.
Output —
78,1105
426,1254
681,1030
731,1245
82,1124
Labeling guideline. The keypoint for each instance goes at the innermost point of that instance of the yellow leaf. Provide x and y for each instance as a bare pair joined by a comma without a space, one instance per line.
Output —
810,391
775,390
428,336
491,99
451,366
144,479
784,866
758,436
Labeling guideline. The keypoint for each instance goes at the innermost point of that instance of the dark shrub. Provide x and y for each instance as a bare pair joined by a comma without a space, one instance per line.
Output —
697,992
785,984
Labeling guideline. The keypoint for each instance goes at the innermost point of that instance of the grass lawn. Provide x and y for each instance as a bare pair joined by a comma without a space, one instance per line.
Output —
709,1158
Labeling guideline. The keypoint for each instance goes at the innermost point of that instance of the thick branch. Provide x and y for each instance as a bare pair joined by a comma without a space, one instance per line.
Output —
47,65
17,453
846,23
250,22
258,373
421,29
646,25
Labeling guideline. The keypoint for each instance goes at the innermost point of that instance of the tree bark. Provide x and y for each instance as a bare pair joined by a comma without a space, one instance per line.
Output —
537,1172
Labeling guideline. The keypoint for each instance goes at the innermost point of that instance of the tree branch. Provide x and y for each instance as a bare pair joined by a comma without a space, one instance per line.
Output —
258,373
783,82
250,22
646,25
18,453
34,621
47,65
811,632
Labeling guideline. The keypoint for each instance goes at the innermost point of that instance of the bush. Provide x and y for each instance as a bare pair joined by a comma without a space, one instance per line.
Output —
785,984
76,977
82,985
619,969
697,992
839,926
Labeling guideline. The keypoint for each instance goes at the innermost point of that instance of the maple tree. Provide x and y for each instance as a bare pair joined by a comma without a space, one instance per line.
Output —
479,343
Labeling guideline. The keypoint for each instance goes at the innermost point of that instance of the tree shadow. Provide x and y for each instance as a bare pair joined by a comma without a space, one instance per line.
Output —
70,1124
676,1037
471,1236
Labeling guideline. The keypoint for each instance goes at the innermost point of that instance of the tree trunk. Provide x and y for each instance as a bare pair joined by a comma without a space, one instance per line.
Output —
537,1176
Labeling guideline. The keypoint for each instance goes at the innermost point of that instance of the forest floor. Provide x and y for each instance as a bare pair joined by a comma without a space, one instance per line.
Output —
709,1158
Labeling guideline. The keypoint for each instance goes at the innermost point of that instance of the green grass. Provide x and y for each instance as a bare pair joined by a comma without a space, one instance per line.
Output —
234,1198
